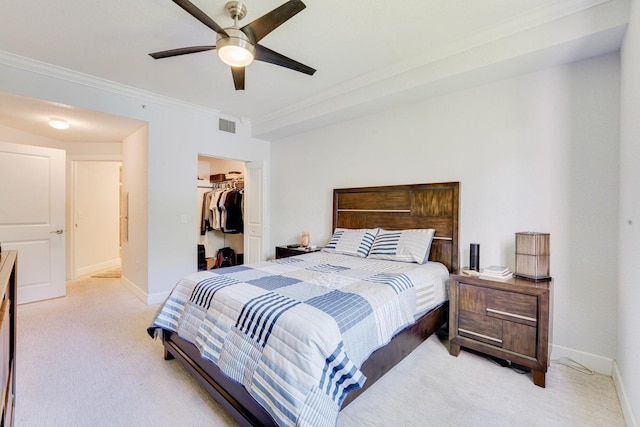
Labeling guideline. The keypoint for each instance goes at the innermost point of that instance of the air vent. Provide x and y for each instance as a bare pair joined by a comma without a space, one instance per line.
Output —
226,125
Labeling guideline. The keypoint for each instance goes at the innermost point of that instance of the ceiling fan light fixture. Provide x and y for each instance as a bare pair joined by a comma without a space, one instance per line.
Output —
239,47
60,124
235,50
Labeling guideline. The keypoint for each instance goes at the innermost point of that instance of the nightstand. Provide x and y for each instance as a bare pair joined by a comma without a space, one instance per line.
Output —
504,319
284,252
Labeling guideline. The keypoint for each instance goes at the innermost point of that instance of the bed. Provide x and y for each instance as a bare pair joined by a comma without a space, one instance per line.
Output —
349,366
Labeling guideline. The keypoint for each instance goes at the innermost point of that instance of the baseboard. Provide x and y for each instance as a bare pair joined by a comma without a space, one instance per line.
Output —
157,298
145,297
604,366
627,411
599,364
97,267
142,295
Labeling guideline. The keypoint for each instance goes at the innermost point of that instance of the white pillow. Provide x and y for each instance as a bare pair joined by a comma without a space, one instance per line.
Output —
403,245
356,242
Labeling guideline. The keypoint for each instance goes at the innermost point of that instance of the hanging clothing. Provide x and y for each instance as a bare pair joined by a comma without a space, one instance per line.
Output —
223,210
215,210
206,216
233,207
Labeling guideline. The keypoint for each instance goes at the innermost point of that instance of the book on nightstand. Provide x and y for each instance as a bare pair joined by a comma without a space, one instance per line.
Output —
496,272
469,272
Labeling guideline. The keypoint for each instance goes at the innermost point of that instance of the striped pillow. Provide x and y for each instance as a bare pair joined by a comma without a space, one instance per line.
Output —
403,245
351,242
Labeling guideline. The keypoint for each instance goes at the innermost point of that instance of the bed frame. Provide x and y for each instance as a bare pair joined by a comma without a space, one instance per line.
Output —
393,208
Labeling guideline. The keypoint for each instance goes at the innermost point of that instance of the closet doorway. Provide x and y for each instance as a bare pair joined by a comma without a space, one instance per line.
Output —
95,211
221,184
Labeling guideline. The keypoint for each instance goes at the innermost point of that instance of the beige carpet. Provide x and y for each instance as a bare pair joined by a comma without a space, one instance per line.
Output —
86,360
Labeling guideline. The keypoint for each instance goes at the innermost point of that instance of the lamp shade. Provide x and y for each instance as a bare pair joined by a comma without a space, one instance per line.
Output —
532,255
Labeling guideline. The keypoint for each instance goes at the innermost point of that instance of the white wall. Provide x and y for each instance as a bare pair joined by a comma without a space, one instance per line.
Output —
628,379
135,188
534,153
96,216
173,149
164,247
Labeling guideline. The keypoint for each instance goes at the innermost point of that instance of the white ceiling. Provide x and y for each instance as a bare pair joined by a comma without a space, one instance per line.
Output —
369,54
33,115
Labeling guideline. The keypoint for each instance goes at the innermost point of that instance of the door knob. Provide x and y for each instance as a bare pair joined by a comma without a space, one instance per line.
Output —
57,231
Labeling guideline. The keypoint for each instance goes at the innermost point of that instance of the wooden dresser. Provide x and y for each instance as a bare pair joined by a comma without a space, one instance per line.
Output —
504,319
8,283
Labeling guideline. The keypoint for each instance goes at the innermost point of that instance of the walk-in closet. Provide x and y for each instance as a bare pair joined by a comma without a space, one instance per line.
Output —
221,212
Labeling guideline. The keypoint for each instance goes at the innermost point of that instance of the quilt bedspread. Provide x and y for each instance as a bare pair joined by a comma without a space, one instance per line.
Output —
294,331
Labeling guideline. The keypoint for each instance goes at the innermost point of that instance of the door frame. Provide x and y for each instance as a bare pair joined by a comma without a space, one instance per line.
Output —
256,237
256,243
71,202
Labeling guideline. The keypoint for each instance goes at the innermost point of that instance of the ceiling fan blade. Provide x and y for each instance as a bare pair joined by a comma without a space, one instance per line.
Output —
238,77
193,10
267,55
180,51
262,26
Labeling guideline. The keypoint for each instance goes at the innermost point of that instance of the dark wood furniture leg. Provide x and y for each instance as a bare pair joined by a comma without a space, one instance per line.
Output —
454,349
539,377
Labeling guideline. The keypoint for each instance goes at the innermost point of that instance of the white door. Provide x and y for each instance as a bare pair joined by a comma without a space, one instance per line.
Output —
254,212
32,217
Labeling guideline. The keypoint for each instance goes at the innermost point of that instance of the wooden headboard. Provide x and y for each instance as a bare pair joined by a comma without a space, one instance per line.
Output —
399,207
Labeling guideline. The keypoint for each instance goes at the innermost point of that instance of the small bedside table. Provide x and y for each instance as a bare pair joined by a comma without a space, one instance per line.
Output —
284,252
504,319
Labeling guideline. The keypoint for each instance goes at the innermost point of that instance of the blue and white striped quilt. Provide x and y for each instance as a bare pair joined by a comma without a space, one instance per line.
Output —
295,331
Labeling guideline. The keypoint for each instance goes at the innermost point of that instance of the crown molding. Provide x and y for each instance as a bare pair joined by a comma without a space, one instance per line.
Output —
43,68
544,14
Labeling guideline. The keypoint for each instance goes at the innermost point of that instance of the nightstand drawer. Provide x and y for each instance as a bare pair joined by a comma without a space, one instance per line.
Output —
511,336
512,306
519,338
481,328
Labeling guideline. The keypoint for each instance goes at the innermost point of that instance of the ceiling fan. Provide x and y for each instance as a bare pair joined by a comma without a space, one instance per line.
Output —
238,47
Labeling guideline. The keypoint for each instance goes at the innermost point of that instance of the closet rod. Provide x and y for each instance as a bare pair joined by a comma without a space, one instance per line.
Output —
226,181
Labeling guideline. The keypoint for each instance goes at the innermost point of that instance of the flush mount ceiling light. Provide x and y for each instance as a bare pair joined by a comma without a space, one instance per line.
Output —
58,123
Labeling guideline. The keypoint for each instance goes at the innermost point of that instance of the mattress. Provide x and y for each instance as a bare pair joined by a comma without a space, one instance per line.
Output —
295,331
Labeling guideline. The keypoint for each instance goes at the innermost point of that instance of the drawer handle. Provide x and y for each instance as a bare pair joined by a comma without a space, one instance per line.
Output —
517,316
487,337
